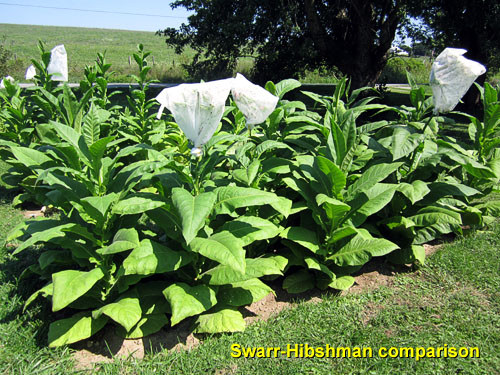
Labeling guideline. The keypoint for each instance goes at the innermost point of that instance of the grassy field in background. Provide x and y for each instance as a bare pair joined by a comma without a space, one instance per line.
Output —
82,46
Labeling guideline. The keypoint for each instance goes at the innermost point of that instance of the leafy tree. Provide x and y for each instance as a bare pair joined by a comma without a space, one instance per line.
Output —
468,24
287,37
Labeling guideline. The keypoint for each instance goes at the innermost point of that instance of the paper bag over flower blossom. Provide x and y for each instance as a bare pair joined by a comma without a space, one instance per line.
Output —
6,78
58,65
196,107
255,102
30,72
451,76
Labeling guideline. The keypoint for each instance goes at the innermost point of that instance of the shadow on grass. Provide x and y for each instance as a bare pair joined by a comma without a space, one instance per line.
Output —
20,284
8,193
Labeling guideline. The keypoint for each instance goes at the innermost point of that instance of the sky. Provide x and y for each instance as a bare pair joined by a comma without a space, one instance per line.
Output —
147,15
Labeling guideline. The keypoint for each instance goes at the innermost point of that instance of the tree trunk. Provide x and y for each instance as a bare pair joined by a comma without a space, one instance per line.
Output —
370,42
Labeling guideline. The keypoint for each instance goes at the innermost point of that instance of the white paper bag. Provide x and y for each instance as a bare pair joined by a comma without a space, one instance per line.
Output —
6,78
30,72
197,107
451,76
58,65
255,102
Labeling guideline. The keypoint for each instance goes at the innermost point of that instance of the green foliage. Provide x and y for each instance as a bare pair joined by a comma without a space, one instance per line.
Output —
147,234
397,67
485,134
5,56
461,23
286,39
83,44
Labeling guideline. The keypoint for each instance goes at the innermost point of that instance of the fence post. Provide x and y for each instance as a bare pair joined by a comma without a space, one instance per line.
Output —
129,61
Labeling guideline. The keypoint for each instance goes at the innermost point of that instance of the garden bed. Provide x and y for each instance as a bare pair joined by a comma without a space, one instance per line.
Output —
191,217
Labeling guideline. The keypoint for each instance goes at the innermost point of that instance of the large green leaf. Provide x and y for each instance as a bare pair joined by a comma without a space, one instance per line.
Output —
304,189
342,282
229,198
247,175
490,208
126,312
360,250
270,145
79,327
336,176
74,138
298,282
318,181
97,150
371,176
314,264
125,239
443,189
255,268
97,207
49,257
404,143
303,237
243,293
226,320
336,141
45,292
399,137
408,255
30,157
341,233
188,300
431,232
334,209
276,165
193,211
479,170
222,247
91,128
151,257
435,215
137,205
40,234
251,228
70,285
284,86
148,325
415,191
378,196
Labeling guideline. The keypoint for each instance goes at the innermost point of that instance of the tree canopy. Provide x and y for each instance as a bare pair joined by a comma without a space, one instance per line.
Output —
287,37
473,25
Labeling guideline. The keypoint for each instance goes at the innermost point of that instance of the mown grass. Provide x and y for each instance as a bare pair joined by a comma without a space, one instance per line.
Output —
454,299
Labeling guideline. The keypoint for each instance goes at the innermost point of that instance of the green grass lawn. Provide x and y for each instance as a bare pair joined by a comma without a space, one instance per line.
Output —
453,300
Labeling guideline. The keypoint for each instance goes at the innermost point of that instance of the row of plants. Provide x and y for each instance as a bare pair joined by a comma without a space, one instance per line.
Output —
192,215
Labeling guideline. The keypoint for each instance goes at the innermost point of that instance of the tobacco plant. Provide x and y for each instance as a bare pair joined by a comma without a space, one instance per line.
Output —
150,233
